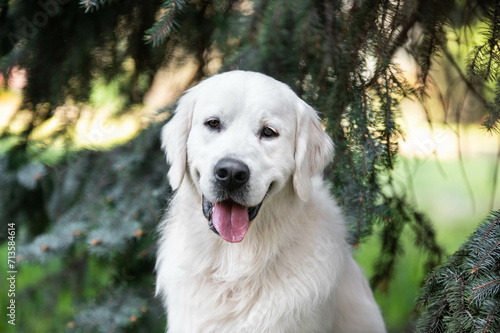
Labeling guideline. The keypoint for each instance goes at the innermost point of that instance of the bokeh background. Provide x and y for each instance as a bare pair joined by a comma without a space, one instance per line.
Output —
85,88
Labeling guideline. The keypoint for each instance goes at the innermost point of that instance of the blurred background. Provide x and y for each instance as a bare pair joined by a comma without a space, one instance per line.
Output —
407,89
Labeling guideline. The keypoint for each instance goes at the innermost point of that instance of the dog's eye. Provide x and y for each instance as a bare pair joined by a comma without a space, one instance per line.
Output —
268,132
213,123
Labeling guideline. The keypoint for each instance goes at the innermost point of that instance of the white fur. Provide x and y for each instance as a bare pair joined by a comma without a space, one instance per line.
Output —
293,271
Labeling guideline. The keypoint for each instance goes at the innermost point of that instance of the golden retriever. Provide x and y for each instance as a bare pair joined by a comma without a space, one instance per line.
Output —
253,241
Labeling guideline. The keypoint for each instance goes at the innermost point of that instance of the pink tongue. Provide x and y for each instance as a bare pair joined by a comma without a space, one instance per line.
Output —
230,220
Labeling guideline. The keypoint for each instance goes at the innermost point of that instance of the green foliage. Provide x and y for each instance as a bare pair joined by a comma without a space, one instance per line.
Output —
492,119
463,295
484,61
65,66
168,24
101,206
337,55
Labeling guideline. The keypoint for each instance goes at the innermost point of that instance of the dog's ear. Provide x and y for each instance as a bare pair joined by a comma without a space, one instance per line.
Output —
174,138
313,150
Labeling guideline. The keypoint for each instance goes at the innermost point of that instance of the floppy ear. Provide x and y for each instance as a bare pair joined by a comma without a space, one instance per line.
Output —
313,150
174,138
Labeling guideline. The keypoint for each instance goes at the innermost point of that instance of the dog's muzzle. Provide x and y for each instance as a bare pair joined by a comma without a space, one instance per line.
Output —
227,217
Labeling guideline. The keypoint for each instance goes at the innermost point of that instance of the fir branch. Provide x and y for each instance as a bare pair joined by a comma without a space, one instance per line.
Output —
121,310
490,318
484,61
492,119
433,20
91,5
168,24
491,285
490,230
471,299
476,268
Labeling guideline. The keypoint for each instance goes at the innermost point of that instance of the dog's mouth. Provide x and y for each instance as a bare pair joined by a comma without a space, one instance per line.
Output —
229,219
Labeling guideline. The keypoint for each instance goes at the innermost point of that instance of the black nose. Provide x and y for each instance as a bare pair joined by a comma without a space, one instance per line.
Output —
231,174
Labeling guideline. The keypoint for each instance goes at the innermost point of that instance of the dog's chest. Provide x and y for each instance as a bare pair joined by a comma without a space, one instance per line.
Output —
208,304
273,299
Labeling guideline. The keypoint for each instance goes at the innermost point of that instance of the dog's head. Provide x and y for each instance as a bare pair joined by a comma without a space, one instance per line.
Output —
240,137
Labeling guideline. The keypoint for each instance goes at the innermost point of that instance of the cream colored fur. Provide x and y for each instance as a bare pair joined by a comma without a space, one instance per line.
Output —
293,271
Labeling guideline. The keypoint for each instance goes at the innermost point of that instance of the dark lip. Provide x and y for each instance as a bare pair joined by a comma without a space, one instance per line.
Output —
208,208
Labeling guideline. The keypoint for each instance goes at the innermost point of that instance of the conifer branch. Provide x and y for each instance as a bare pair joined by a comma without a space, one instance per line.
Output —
484,62
168,24
497,282
473,313
491,229
91,5
476,268
490,318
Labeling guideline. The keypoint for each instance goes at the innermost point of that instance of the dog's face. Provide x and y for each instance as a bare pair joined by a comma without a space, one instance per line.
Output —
240,137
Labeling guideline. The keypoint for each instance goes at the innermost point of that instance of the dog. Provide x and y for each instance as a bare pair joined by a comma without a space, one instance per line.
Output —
253,241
